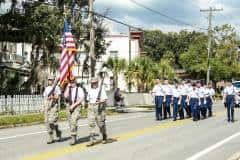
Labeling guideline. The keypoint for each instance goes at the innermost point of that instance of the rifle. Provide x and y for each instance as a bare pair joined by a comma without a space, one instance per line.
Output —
100,106
54,86
52,91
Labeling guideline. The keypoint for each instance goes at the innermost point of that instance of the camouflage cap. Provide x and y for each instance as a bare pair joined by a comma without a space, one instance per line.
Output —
51,77
94,80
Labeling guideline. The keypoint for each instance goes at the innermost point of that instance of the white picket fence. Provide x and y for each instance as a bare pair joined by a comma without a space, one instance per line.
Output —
20,104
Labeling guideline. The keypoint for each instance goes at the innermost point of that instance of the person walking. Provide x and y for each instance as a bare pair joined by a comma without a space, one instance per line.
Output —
51,96
75,99
97,98
176,93
158,94
167,90
228,97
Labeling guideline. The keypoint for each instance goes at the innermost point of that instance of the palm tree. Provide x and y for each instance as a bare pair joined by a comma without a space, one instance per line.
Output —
142,72
116,65
165,70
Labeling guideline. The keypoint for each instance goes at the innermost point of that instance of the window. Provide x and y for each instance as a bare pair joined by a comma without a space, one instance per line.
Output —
114,54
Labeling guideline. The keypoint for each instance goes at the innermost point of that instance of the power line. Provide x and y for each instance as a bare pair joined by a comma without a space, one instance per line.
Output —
99,15
166,16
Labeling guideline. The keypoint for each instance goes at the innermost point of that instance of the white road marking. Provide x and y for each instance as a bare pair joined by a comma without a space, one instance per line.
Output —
214,146
65,128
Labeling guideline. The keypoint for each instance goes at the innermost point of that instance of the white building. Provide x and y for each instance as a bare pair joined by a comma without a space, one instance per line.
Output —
15,56
119,48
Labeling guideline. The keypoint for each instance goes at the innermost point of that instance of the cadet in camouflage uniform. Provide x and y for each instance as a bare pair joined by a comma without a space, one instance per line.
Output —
51,107
96,98
75,99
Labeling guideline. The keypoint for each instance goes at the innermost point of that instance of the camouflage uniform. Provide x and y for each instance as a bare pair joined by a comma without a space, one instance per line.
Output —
73,118
97,118
74,95
51,109
96,113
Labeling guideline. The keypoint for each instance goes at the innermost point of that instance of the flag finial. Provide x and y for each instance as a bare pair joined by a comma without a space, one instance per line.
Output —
64,11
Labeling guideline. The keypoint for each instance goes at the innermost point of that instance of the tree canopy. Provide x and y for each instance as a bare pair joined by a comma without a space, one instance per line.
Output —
188,50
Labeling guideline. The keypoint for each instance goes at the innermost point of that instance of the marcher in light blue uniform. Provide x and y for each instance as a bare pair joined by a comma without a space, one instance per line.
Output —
229,97
158,94
176,93
167,89
194,102
183,103
188,107
184,95
202,105
209,93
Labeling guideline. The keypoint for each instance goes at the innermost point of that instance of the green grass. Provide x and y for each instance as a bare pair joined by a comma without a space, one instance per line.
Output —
20,119
15,120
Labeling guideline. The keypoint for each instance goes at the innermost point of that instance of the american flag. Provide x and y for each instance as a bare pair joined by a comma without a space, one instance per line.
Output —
67,55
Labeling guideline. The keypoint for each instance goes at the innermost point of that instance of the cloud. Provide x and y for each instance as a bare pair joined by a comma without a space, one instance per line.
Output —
121,4
185,10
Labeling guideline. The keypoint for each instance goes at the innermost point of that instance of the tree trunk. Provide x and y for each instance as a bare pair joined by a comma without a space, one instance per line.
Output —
93,65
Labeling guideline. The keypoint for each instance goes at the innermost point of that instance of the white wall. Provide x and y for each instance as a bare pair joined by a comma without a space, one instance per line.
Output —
120,43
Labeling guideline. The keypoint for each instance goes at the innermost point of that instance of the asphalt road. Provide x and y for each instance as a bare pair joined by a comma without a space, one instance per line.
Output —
135,136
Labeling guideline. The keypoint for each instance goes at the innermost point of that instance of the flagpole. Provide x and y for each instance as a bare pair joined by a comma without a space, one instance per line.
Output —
92,37
68,52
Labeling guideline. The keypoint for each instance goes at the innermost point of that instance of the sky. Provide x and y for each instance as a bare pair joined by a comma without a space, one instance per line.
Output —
187,11
183,10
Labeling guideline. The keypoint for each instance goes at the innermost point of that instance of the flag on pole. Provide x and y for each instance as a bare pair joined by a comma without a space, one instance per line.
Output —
67,55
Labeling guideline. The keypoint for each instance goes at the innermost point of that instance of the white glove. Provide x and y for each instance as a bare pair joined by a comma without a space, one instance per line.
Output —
164,99
179,102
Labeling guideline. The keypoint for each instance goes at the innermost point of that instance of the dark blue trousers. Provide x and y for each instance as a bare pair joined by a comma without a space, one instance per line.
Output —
230,107
195,108
203,108
185,106
158,107
209,104
175,107
167,104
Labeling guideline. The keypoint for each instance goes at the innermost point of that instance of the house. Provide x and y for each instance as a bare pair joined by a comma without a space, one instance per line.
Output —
15,56
118,48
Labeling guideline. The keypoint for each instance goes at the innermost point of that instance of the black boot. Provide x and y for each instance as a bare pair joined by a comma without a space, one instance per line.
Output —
50,139
92,140
73,140
58,133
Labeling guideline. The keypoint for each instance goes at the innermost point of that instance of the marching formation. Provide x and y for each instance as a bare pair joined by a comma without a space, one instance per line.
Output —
187,99
75,98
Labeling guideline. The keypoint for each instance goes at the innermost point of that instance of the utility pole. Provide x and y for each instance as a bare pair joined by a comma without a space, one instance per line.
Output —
210,10
92,40
129,55
129,45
